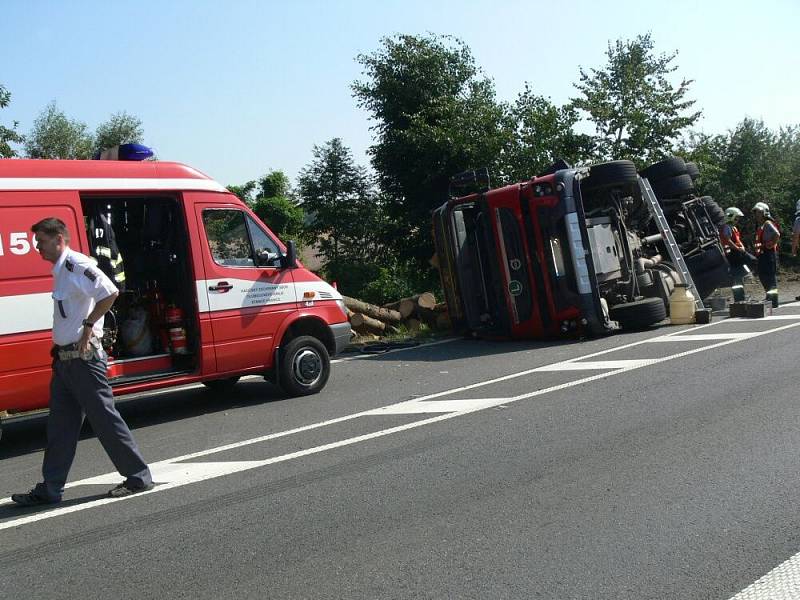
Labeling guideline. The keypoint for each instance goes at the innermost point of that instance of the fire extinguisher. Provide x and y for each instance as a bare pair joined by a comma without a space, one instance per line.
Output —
177,332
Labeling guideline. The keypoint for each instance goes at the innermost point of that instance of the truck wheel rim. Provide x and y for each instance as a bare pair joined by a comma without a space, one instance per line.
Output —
307,367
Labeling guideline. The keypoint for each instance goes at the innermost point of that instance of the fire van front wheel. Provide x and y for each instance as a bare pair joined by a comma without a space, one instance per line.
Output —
304,366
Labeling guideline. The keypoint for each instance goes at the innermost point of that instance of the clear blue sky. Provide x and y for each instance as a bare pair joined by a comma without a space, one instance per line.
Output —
240,87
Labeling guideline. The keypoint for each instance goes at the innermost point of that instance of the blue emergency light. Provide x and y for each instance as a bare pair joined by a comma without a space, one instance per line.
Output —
125,152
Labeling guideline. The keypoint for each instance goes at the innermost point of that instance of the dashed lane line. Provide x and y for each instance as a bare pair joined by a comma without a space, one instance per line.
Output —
170,474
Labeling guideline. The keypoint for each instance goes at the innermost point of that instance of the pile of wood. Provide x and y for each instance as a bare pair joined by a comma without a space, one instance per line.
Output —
411,313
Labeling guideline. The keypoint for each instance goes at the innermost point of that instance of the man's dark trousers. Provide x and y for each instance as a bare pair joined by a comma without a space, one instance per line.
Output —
80,387
768,270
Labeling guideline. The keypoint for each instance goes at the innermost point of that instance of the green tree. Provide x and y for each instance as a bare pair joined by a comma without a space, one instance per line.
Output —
121,128
8,135
750,163
54,135
273,203
637,112
244,192
274,184
346,217
434,115
541,132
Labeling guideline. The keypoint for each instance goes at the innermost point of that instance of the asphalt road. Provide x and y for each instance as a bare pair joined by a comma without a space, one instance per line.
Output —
646,465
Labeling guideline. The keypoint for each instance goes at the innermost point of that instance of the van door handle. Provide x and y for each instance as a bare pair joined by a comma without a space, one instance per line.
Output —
222,286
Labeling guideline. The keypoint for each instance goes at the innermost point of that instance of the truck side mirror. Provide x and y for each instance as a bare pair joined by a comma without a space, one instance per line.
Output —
290,258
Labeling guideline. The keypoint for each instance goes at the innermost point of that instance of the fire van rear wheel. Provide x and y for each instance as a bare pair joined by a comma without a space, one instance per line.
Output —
304,366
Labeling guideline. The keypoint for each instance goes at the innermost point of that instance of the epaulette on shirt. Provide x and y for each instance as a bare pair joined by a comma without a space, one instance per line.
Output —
69,265
90,275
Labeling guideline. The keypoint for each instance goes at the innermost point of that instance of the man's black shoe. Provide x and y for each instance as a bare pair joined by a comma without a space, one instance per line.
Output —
33,499
126,489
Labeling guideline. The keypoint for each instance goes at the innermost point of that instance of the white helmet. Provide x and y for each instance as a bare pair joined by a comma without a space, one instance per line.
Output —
732,213
762,207
797,207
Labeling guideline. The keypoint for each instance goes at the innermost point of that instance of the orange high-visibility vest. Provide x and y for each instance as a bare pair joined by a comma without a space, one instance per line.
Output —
763,245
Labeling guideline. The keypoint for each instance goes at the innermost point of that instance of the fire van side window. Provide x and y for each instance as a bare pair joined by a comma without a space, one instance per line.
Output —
227,238
267,252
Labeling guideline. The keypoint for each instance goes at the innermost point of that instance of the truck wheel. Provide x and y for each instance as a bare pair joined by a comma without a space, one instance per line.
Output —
221,385
679,185
692,170
610,174
304,366
669,167
640,314
714,210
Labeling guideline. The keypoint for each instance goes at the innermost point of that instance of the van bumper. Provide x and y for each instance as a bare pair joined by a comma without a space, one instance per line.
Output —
341,335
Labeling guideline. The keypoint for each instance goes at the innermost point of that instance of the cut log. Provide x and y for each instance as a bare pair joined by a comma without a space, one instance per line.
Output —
359,321
405,307
440,307
376,312
425,300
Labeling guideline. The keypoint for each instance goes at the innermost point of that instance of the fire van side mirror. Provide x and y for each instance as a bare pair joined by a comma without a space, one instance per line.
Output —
289,260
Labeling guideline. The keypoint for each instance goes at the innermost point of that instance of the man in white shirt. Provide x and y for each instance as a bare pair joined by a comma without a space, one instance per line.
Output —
82,294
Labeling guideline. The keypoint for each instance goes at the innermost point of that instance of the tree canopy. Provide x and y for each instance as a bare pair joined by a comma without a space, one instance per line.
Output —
8,135
121,128
54,135
637,112
434,114
345,215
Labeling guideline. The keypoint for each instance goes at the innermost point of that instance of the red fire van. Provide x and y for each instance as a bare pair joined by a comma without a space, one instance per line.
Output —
207,292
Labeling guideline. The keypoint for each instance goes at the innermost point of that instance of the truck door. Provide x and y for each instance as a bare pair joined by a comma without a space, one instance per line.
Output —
247,294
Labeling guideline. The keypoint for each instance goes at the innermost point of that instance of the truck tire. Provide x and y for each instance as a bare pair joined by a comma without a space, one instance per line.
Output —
304,366
673,187
640,314
714,210
610,174
669,167
692,170
709,271
221,385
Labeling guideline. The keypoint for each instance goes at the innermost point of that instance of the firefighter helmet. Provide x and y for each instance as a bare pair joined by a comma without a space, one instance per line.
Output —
762,207
732,213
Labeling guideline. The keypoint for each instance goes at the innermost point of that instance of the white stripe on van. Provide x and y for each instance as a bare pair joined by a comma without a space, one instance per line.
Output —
34,312
107,183
30,312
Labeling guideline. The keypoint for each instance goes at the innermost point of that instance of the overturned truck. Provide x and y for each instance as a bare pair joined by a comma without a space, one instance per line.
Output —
574,251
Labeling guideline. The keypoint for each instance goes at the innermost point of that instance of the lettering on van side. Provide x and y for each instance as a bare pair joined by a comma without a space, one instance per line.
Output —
259,294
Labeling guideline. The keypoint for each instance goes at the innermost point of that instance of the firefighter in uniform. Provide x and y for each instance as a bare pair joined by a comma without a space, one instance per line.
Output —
768,236
735,251
82,294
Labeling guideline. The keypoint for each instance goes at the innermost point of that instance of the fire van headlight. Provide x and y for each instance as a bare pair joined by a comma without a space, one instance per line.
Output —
340,304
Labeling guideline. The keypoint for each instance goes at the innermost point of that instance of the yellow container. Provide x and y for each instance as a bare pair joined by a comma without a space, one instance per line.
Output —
681,305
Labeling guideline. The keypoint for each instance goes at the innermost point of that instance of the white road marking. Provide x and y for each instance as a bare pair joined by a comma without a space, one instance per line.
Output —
782,583
699,337
594,365
461,407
